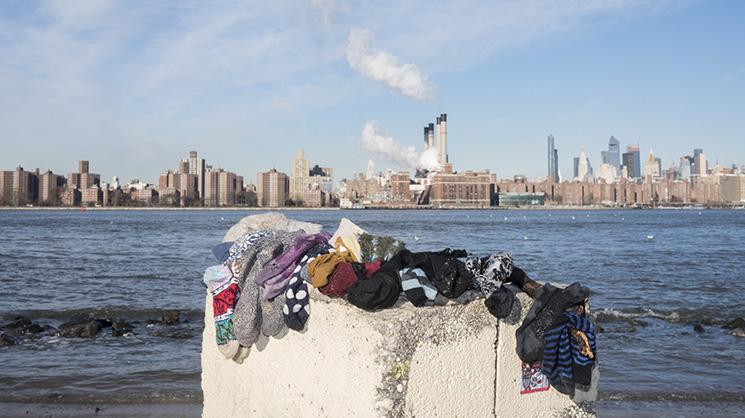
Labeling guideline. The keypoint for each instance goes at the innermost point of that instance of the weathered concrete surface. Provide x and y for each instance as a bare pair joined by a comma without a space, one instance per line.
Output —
404,361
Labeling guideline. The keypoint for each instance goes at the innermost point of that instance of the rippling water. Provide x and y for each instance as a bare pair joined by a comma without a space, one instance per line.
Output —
659,270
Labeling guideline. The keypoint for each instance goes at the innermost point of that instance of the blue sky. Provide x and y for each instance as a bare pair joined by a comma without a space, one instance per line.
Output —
133,86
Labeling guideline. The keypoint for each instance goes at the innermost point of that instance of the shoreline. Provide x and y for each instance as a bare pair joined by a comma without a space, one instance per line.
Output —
157,410
253,209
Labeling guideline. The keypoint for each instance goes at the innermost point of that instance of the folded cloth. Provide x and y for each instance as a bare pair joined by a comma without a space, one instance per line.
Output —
343,276
322,266
276,273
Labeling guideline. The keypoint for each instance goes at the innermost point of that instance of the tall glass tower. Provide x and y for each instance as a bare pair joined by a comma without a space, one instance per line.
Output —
613,156
553,159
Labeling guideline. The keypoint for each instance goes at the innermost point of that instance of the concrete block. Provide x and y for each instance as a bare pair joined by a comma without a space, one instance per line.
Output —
444,361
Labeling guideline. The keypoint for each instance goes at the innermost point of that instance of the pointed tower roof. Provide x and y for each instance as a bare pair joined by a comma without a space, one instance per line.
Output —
651,156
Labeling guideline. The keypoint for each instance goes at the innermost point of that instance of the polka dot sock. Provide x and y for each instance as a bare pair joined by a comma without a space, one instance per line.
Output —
297,304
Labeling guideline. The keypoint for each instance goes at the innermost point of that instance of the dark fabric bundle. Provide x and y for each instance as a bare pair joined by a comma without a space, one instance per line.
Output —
380,291
546,313
447,272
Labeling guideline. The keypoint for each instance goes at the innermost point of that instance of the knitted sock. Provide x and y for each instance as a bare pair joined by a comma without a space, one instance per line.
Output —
247,315
218,274
224,296
242,244
272,320
297,307
276,273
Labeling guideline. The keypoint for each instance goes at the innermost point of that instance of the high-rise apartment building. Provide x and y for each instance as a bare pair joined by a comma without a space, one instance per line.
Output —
553,159
307,183
272,188
196,166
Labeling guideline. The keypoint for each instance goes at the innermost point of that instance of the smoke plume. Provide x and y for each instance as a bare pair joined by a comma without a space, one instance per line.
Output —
383,67
377,142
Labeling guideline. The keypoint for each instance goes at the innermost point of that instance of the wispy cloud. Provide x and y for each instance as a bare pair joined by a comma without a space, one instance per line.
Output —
383,67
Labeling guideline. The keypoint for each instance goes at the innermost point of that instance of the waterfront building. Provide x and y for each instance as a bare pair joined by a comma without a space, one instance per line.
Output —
195,166
463,189
272,188
50,187
307,184
18,187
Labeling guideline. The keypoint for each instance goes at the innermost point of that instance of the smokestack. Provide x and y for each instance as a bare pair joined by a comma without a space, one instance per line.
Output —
431,135
426,138
439,142
444,136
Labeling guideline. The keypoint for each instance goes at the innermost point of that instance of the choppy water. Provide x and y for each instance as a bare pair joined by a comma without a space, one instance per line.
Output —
660,270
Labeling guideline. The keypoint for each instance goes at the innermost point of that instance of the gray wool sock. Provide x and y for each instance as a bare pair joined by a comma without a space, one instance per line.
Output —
272,320
247,315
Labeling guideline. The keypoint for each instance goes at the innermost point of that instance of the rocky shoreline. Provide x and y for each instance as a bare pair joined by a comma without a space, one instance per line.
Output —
86,325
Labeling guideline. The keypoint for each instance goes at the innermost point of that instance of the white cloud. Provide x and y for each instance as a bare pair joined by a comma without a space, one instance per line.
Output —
383,67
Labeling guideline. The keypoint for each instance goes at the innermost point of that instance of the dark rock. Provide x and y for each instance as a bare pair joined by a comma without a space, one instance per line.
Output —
18,323
120,325
171,316
152,321
79,318
710,321
15,332
638,322
87,330
625,328
599,329
8,340
35,329
736,323
738,332
698,327
178,334
105,322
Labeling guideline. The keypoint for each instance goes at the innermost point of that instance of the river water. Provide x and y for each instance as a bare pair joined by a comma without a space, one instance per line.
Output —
652,273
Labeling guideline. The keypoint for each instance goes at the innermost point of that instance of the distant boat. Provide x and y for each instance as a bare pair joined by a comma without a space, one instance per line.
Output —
650,236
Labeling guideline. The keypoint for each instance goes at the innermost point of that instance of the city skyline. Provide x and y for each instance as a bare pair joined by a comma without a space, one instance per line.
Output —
130,86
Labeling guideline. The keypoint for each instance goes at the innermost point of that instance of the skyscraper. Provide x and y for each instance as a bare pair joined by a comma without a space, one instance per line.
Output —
553,159
637,169
613,156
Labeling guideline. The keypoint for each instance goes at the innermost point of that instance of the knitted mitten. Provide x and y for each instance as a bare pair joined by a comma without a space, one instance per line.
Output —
247,315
